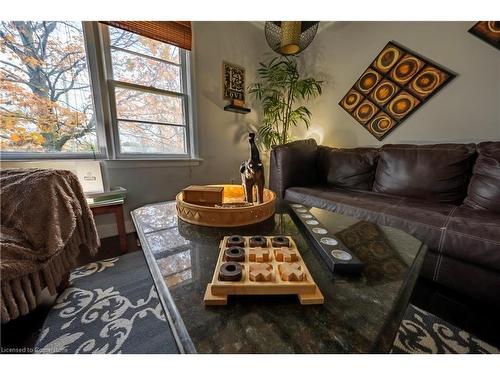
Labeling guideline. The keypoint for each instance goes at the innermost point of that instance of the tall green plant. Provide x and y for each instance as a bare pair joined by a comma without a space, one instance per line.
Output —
279,88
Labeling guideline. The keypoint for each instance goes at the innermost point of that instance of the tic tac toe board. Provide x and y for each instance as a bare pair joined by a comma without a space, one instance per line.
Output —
261,265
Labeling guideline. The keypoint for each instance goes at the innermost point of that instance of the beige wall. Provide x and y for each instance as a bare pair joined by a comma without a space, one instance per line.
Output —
221,135
466,110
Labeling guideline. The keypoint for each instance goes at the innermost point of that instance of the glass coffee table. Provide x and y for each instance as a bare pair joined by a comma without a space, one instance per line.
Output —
361,313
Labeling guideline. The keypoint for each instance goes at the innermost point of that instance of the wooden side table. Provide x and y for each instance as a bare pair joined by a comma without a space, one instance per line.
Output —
117,210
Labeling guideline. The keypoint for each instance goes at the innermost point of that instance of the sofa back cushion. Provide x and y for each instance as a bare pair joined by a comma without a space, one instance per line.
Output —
293,164
437,173
484,186
347,168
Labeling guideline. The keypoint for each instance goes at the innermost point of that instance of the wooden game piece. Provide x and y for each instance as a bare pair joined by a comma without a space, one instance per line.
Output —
258,241
235,241
234,254
258,254
285,254
261,272
291,272
280,241
230,271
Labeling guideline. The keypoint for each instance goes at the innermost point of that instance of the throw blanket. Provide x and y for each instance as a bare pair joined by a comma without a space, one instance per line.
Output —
44,220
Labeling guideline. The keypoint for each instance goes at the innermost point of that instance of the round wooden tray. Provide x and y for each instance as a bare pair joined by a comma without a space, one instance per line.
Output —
227,216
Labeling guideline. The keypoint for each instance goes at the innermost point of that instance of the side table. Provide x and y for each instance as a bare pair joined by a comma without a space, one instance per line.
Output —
117,210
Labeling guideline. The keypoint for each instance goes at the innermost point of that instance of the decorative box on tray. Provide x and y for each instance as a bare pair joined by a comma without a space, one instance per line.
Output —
203,195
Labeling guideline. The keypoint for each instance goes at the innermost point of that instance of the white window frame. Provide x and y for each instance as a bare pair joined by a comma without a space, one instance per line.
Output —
186,95
98,53
101,150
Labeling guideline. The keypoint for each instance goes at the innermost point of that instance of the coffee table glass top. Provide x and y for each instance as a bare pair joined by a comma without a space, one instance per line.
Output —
360,314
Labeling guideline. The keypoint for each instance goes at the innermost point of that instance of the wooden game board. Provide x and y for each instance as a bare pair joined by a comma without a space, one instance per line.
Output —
282,271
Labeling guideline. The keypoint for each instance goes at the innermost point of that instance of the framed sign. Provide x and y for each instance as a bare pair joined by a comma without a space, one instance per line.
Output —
233,82
88,172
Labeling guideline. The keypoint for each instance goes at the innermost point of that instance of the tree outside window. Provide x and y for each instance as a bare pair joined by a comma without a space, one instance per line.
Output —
46,96
45,93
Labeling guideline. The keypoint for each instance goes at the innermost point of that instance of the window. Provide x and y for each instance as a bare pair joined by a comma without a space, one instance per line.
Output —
46,99
58,80
149,95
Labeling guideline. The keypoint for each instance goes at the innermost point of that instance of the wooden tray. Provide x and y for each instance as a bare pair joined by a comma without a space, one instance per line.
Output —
307,290
212,216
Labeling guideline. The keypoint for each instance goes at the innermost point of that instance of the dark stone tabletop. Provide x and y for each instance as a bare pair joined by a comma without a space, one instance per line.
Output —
361,314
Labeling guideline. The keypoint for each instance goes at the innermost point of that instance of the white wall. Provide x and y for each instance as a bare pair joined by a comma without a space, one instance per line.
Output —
466,110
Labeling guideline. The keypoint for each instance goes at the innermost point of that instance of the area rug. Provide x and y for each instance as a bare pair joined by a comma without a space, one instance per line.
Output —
111,306
421,332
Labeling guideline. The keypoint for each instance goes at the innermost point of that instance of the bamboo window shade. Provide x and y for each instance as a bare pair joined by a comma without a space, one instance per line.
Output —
177,33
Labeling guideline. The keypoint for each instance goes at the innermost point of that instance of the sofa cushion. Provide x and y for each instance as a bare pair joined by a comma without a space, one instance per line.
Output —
473,236
436,173
347,168
293,164
467,234
484,187
424,220
475,281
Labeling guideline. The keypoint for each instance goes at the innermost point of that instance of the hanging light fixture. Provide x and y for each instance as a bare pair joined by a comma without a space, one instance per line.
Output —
290,37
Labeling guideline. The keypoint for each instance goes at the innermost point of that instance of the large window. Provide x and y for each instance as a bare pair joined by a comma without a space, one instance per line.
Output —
149,95
46,101
57,80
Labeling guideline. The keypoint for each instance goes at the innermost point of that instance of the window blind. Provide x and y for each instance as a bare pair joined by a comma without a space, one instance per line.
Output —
177,33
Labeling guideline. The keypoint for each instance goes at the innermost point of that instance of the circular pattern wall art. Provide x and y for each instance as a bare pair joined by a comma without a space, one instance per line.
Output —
401,105
380,125
387,58
368,81
351,100
406,69
427,81
384,92
396,83
489,31
365,111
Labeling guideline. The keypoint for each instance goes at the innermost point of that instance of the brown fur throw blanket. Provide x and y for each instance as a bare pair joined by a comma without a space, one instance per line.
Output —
44,221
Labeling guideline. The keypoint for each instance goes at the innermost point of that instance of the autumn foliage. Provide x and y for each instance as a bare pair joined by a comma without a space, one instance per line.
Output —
45,97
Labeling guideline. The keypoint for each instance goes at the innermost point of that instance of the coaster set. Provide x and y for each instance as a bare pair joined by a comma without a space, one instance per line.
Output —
337,256
261,265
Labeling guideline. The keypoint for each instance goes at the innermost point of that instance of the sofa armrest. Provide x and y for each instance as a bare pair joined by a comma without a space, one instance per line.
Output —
292,164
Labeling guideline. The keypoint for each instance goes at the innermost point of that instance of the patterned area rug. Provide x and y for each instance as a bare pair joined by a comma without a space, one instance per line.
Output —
421,332
111,306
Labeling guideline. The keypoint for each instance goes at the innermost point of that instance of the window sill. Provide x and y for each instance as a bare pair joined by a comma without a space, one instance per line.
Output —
151,163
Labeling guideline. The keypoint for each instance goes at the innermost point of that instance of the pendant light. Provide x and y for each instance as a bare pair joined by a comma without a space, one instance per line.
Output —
290,37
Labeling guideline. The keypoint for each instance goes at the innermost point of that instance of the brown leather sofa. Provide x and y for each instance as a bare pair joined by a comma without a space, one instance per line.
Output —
447,195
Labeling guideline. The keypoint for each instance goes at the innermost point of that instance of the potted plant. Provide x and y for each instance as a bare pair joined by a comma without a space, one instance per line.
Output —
279,89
